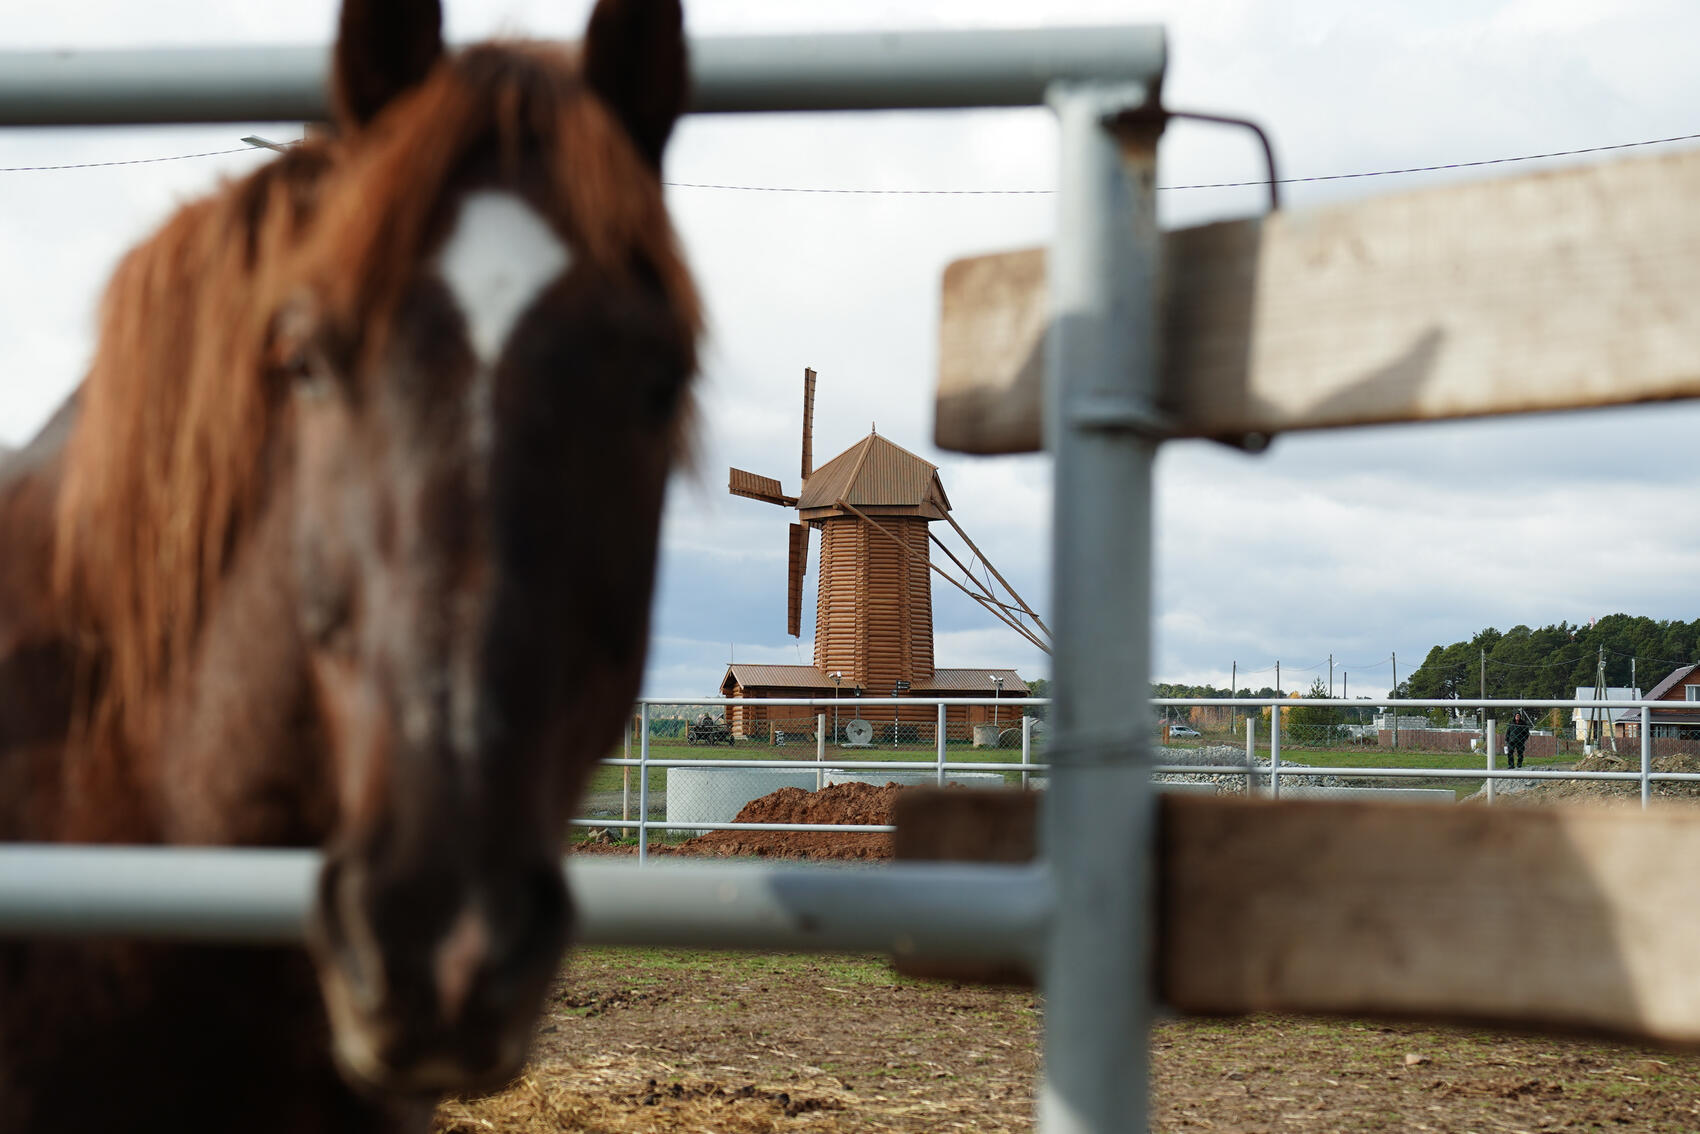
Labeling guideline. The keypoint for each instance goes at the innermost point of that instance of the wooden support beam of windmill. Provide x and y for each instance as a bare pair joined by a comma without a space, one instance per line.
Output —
1556,290
990,603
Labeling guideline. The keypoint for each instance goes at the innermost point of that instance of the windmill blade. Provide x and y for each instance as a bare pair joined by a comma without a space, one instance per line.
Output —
759,488
797,565
808,423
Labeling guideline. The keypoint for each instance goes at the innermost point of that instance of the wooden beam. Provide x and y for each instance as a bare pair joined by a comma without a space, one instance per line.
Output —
1564,918
1562,289
990,605
1554,918
975,548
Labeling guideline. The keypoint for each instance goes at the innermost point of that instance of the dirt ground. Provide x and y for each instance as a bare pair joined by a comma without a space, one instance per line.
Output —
669,1040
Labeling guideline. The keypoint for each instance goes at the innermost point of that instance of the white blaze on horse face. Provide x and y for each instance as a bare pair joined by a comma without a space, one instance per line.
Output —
497,260
500,256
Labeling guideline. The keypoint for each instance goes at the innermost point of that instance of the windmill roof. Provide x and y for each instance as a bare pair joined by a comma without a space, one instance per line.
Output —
875,472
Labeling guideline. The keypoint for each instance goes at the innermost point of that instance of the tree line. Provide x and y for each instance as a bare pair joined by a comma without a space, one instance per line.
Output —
1554,661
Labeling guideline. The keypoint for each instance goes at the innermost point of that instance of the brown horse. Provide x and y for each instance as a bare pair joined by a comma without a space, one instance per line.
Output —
347,541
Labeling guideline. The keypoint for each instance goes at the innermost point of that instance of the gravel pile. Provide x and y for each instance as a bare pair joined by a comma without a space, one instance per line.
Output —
1220,755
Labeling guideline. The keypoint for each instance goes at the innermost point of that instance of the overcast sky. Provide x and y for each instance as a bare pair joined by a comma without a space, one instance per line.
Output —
1360,543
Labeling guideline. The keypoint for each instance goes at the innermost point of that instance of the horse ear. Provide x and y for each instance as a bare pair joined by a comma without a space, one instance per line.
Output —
634,58
383,47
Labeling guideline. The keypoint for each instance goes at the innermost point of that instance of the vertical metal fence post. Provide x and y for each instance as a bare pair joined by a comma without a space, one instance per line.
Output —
1490,742
1646,755
939,740
1026,747
1274,752
1096,818
643,785
1250,756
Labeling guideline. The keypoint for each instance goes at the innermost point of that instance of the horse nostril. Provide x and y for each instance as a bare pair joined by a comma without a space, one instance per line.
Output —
463,951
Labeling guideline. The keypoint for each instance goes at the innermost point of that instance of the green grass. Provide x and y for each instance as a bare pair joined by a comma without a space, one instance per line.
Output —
838,969
611,779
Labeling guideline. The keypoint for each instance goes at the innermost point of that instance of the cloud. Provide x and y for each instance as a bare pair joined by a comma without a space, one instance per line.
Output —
1362,544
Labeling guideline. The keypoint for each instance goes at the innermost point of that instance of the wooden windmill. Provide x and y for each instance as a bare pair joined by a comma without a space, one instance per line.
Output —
874,603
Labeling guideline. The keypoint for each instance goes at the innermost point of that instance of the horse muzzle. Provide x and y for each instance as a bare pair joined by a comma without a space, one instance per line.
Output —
433,984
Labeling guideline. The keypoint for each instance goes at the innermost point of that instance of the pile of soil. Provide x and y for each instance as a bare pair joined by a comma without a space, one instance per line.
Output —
837,804
1545,792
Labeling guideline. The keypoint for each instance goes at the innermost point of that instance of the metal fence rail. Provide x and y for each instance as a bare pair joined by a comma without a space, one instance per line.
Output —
1270,778
261,897
886,71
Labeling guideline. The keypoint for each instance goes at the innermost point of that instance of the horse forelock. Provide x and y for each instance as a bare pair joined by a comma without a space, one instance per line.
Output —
515,113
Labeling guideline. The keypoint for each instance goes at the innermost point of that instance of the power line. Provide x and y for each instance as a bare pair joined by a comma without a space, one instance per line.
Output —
131,161
831,190
1436,168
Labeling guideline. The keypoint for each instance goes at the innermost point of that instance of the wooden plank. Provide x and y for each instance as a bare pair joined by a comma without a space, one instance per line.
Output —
758,487
1560,289
1555,918
797,564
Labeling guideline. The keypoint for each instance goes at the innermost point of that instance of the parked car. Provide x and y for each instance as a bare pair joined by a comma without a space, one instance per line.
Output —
1182,730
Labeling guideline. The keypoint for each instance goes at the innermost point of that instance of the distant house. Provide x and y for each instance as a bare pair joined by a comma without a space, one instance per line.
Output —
1682,690
759,681
1588,721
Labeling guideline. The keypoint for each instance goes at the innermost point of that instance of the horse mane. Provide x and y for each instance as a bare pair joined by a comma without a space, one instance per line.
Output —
166,468
161,467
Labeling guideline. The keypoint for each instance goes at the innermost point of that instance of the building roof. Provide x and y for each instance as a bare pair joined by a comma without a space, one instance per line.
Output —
944,681
1677,675
775,676
875,473
974,681
1591,693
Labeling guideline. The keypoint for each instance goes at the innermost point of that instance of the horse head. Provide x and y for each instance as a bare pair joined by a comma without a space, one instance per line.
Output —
485,341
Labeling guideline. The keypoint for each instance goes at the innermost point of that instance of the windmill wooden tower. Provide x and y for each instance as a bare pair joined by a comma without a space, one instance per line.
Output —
874,604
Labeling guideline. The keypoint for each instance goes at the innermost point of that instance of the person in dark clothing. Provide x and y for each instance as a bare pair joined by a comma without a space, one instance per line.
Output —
1515,738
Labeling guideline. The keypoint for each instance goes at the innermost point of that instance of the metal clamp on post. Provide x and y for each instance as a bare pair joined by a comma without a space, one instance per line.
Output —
1139,121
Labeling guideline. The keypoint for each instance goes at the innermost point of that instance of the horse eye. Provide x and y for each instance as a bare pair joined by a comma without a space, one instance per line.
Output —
310,375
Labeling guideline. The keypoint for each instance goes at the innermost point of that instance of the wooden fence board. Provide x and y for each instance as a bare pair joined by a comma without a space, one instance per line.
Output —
1560,289
1570,918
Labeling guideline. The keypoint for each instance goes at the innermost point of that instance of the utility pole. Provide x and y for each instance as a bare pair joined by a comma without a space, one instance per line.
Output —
1481,711
1233,712
1331,675
1277,678
1396,711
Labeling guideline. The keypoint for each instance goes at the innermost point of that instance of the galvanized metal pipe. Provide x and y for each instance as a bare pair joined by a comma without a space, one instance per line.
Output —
1492,751
1097,817
1646,756
261,897
938,739
809,765
877,71
643,788
1026,748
